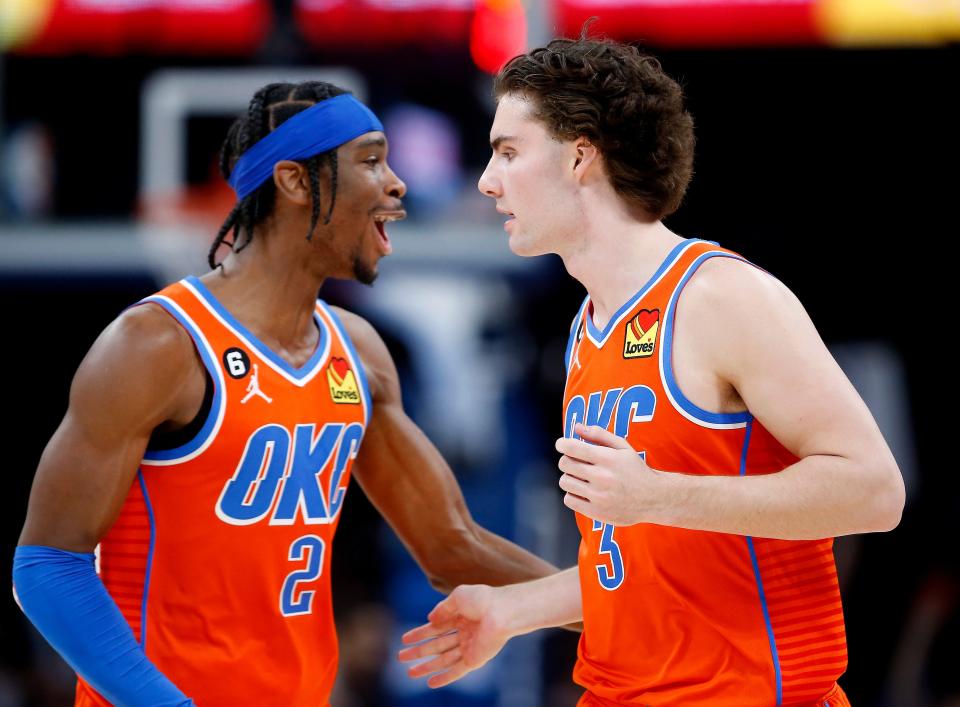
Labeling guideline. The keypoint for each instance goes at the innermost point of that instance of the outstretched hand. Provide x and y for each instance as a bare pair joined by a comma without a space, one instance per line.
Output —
605,478
464,632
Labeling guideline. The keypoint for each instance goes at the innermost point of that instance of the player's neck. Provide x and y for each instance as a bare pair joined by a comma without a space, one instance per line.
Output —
614,256
271,292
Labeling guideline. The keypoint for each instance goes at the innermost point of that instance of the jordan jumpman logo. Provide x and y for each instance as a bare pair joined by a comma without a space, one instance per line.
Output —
253,387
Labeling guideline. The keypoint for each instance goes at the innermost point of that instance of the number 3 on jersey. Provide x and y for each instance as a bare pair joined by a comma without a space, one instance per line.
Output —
308,549
625,408
610,577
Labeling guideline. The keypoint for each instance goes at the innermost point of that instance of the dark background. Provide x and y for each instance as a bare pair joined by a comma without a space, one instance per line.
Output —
833,169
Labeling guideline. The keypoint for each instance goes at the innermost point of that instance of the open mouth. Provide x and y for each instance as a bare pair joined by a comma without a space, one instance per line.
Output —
380,222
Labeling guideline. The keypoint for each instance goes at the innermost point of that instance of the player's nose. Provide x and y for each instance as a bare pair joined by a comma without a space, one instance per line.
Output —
489,185
395,187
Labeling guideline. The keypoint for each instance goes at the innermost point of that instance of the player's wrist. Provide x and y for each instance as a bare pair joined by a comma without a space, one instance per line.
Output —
505,616
665,500
517,610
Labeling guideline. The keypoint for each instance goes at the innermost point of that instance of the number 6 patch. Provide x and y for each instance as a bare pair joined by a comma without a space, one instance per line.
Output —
236,362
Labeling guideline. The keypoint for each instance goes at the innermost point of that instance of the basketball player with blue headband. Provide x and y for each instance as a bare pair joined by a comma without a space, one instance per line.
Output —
212,431
327,125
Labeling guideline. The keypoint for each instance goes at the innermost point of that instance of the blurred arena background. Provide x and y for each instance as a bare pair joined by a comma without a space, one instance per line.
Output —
827,134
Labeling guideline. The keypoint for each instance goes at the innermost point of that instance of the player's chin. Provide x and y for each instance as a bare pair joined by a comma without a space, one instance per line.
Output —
525,246
366,270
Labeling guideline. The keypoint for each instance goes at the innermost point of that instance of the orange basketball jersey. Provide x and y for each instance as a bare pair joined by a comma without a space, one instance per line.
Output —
220,557
684,617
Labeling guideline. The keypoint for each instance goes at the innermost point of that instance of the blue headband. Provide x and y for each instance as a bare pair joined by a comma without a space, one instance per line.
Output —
319,128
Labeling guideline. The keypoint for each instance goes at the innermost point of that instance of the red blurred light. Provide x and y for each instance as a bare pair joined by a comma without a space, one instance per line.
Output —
498,33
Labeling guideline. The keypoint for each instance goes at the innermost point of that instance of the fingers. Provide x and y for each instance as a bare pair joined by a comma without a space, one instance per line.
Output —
575,486
422,633
445,678
580,505
573,467
447,663
596,438
599,436
438,664
580,450
594,448
434,646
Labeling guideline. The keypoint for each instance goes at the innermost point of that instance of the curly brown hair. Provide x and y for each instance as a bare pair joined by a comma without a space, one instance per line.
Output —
621,100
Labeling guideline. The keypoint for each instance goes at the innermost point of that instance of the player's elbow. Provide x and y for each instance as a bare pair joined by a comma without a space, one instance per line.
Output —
887,497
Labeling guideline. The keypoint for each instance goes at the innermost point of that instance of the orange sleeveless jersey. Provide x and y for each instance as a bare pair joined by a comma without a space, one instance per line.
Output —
220,558
684,617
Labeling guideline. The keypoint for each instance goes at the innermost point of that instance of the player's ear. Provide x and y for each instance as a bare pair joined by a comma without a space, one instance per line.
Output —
586,155
292,181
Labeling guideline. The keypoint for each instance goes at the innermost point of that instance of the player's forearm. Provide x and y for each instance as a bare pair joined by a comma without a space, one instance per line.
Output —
482,557
819,496
62,595
542,603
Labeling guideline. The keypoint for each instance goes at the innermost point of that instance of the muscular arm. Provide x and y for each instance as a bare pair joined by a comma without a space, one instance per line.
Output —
846,480
140,374
749,331
411,485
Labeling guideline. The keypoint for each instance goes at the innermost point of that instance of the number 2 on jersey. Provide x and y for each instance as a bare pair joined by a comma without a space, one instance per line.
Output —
307,549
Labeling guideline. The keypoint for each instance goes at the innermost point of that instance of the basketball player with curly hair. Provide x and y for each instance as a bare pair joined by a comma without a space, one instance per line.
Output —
712,448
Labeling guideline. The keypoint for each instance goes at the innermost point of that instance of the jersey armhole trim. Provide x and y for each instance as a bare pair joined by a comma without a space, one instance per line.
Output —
680,402
196,446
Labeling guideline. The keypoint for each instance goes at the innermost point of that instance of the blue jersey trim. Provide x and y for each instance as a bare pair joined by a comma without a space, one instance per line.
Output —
713,418
756,574
262,349
210,423
746,446
573,333
601,336
146,579
766,620
358,364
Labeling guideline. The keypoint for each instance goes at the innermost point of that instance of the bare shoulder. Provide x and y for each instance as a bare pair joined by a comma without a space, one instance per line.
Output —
727,292
741,314
144,335
722,282
149,327
138,374
374,356
138,364
358,329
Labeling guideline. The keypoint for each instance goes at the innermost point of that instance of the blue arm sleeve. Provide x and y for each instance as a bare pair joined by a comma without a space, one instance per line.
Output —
62,595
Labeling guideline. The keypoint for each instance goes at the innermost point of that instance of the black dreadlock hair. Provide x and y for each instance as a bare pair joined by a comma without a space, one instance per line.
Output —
269,108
